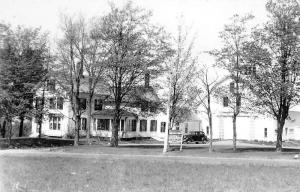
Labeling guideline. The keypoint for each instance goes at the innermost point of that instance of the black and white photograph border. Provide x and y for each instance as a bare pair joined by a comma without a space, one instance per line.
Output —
149,95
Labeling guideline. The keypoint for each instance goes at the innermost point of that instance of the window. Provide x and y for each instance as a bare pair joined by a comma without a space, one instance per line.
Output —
82,103
121,125
52,102
143,125
38,103
152,108
98,105
225,101
54,122
231,87
60,103
153,125
56,103
162,126
51,85
266,132
286,131
177,125
83,124
144,106
103,124
131,125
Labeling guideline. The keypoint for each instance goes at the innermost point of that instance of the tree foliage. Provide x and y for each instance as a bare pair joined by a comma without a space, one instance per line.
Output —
231,58
182,74
209,83
275,53
24,54
135,47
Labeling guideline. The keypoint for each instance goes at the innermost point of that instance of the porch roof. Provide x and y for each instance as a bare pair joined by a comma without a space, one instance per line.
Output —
111,112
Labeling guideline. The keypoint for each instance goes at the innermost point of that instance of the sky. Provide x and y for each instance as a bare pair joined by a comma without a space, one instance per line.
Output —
206,18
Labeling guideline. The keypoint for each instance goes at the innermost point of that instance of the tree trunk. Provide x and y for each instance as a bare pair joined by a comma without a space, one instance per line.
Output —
3,130
169,125
280,124
114,136
77,127
9,121
89,118
77,113
209,118
210,134
40,121
21,126
40,127
234,132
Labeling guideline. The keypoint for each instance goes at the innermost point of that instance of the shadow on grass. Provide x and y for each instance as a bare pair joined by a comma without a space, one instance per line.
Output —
141,146
256,149
35,142
175,147
265,149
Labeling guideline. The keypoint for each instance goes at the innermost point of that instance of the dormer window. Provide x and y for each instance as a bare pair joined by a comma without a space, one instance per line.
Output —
225,101
98,105
56,103
82,103
60,103
52,103
51,85
38,103
144,106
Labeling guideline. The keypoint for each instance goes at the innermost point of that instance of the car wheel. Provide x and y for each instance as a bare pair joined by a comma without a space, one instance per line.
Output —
197,142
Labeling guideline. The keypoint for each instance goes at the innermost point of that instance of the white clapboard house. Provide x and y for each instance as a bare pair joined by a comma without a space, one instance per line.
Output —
141,116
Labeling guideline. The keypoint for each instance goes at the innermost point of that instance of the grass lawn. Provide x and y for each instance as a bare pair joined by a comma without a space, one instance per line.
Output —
72,170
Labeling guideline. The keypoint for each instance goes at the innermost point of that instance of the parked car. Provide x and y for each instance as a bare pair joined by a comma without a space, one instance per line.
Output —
195,136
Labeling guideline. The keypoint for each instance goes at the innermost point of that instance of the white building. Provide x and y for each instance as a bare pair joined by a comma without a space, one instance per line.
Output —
250,126
137,120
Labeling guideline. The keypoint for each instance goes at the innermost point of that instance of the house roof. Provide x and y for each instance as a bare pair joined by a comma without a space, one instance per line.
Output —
100,89
145,94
